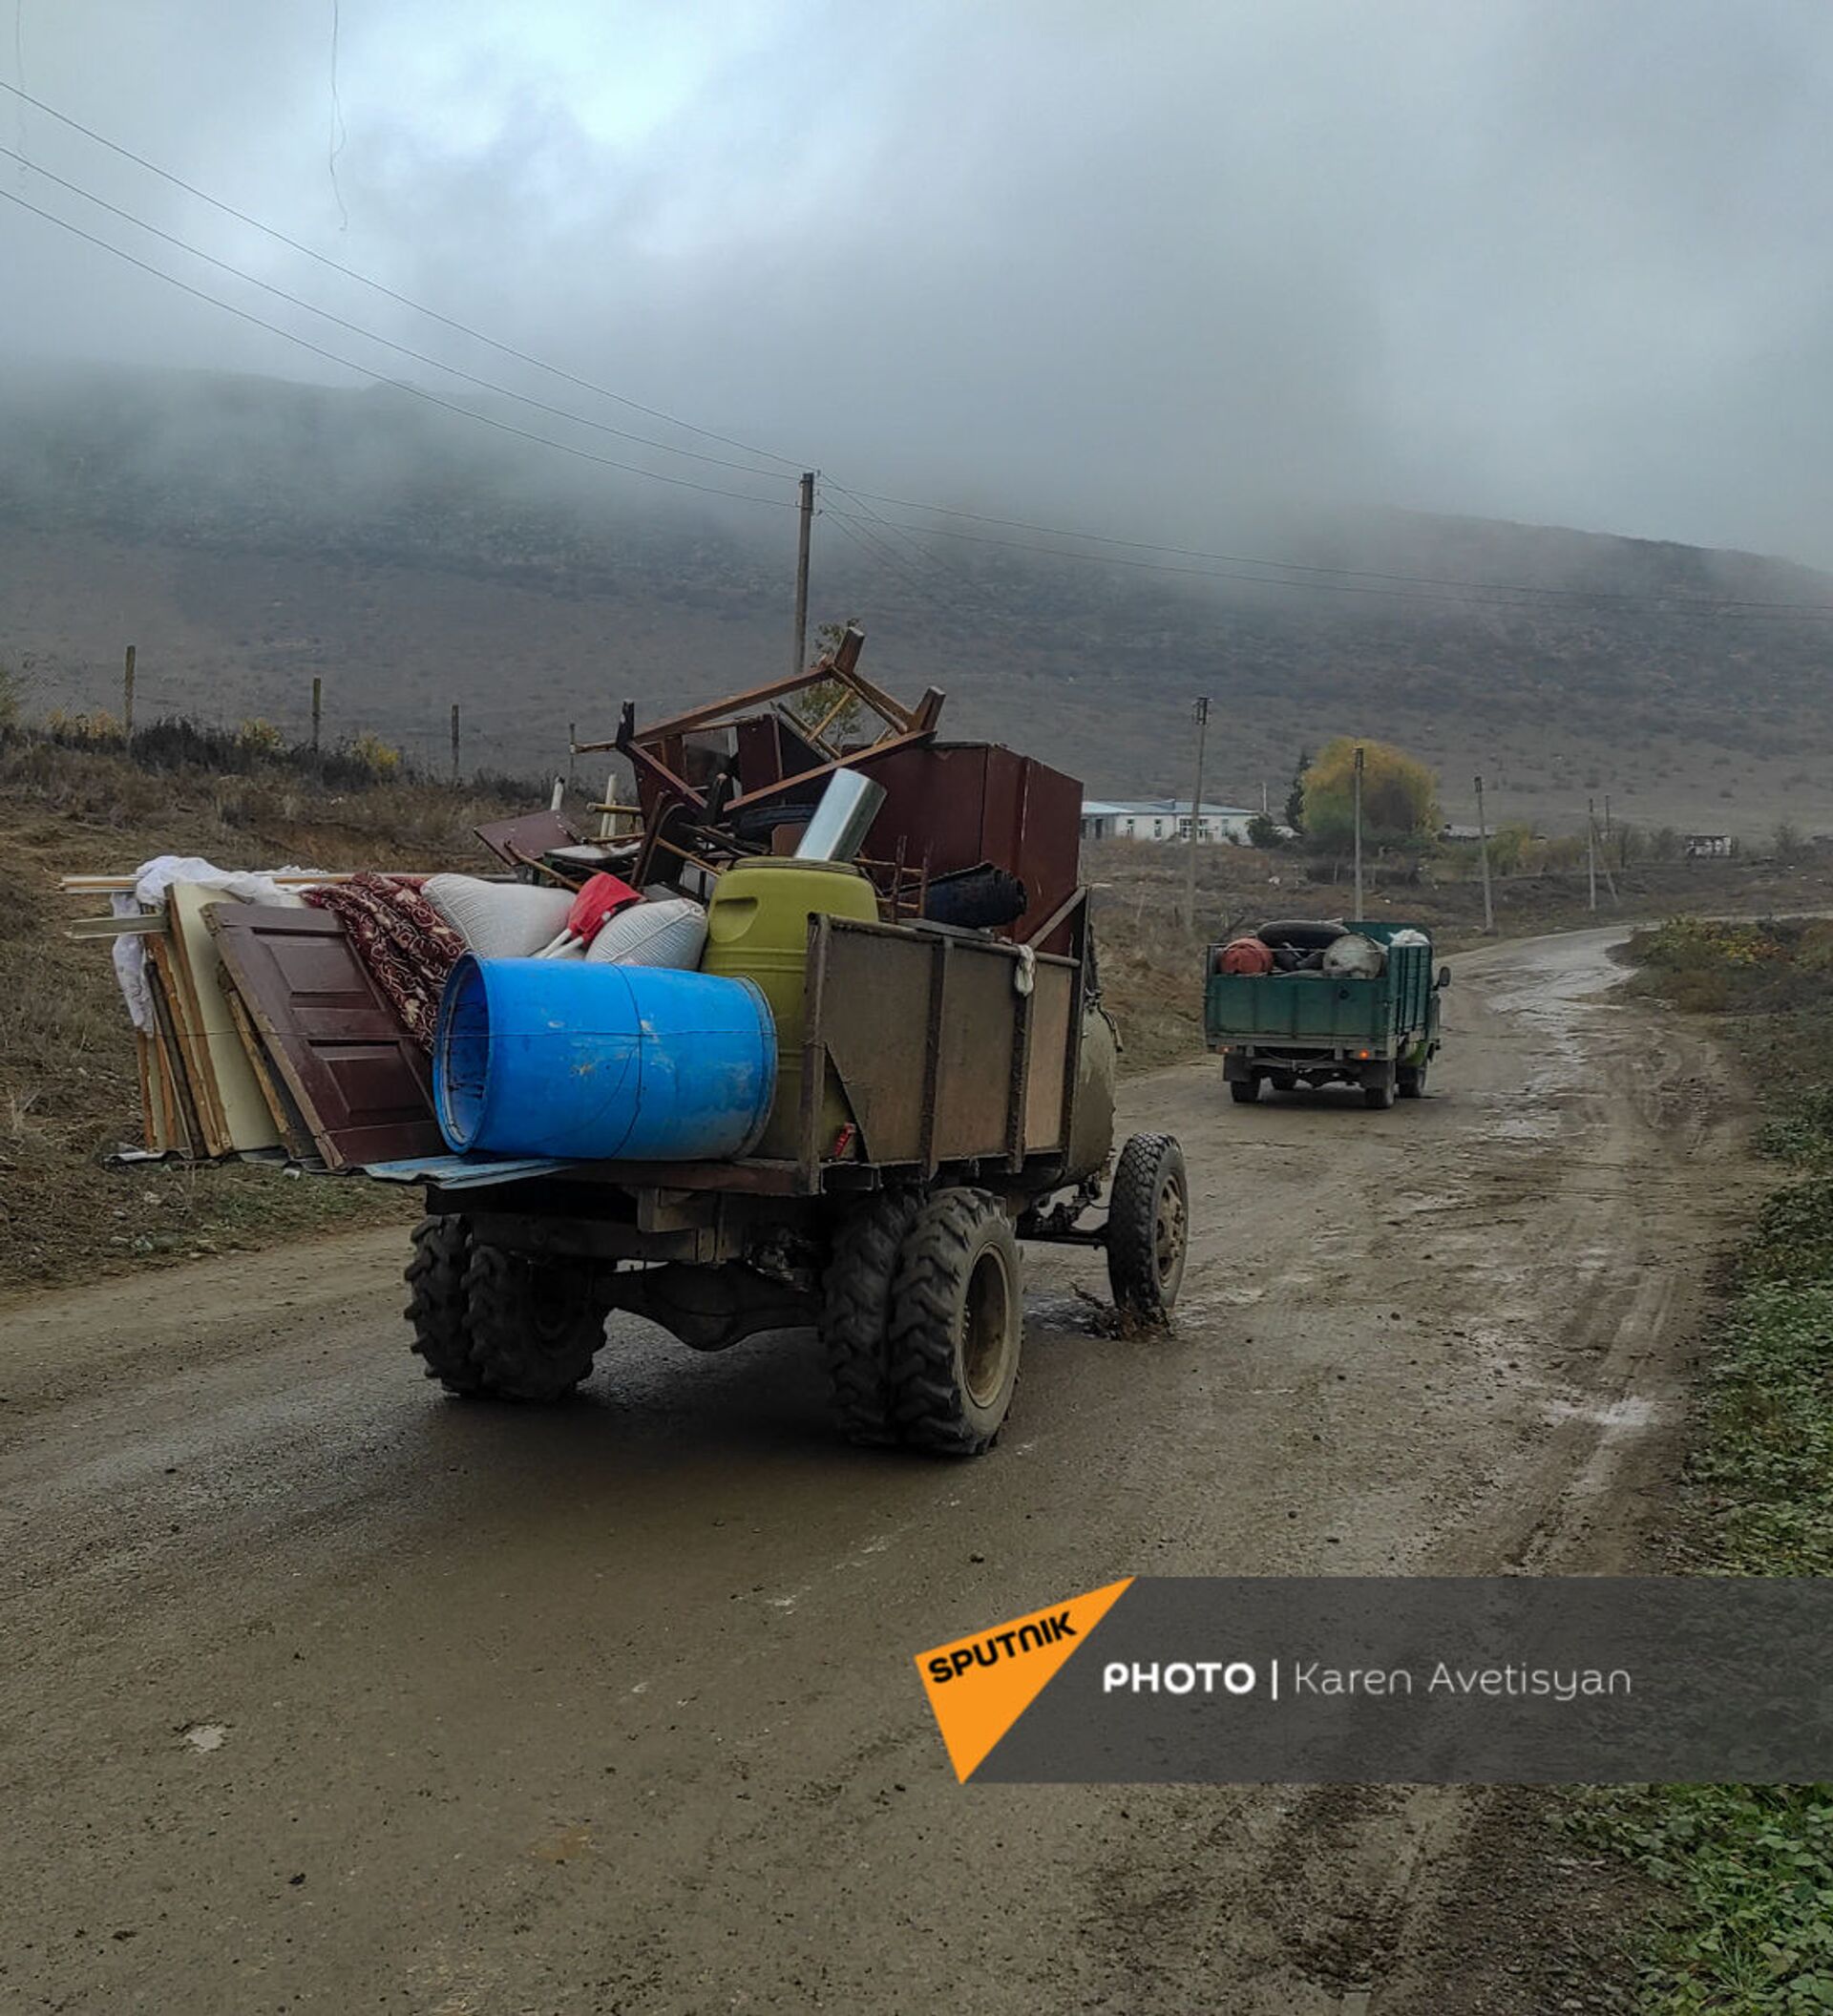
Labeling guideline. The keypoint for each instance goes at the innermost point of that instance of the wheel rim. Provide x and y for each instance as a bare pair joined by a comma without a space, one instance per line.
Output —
986,1323
1168,1222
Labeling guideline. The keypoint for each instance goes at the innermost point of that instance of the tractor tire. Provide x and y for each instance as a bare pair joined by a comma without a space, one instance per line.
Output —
957,1324
1379,1098
855,1315
1244,1091
534,1324
437,1304
1148,1218
1412,1082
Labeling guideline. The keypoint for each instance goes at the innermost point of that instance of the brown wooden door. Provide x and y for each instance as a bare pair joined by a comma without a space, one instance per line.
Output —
362,1084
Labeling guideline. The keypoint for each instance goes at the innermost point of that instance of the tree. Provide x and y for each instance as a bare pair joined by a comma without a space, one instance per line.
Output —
1399,796
1295,797
1262,831
827,702
1789,843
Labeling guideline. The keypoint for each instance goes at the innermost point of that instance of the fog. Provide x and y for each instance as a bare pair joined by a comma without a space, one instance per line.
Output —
1167,270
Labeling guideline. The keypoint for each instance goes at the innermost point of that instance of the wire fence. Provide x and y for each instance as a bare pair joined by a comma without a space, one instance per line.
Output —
90,704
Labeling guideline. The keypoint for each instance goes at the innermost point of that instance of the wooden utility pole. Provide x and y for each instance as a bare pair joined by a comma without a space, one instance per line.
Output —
1359,833
1482,855
1202,711
805,530
1590,846
127,695
318,709
454,742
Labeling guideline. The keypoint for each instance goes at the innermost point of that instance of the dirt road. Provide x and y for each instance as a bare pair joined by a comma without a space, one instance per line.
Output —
323,1692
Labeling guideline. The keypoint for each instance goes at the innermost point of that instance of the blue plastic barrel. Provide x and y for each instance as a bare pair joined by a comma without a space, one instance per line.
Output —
602,1062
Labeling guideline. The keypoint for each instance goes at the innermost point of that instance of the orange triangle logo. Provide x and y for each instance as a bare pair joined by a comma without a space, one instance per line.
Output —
978,1687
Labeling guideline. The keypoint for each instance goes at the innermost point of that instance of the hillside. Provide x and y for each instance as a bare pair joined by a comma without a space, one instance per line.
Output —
249,534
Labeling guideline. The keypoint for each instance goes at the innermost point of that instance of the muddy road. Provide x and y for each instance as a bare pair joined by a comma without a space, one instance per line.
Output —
323,1692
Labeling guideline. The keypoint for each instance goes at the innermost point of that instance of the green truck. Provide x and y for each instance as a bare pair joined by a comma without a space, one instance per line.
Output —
1329,1004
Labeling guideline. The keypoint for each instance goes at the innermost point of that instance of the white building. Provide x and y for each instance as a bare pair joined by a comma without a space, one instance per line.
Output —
1162,819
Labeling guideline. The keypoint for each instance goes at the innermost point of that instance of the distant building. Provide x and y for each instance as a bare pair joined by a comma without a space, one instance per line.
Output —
1163,819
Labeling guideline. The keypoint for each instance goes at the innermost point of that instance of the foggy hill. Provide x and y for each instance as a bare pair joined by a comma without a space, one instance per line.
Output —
249,534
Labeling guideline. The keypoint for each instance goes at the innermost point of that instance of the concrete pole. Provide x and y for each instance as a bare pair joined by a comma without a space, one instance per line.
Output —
1483,850
1196,820
1590,846
1359,833
804,532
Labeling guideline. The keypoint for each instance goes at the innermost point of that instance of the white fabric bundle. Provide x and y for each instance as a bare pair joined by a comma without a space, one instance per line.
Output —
668,933
152,879
1353,957
500,920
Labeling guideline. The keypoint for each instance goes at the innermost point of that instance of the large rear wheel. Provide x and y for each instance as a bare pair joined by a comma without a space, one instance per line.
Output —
1412,1080
956,1325
1149,1226
855,1313
1244,1091
437,1307
534,1323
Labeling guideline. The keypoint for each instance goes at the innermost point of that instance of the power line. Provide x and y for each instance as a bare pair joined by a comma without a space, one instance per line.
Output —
368,335
403,385
419,307
1338,580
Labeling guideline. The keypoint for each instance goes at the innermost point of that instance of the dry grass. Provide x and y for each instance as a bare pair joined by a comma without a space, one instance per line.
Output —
69,1091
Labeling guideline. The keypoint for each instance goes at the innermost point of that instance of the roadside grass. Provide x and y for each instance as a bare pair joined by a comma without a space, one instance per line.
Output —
68,1092
1748,1869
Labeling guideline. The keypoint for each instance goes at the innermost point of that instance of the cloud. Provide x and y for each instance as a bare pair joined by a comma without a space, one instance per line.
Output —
1175,268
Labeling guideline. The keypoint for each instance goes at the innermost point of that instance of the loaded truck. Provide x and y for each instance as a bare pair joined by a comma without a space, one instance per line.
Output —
941,1094
1315,1003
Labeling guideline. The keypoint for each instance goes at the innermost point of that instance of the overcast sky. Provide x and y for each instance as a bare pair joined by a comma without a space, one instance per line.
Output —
1151,265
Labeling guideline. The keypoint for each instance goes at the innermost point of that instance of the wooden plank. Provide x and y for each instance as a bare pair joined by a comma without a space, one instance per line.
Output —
143,1071
235,1092
187,1132
289,1124
147,922
305,878
208,1136
361,1083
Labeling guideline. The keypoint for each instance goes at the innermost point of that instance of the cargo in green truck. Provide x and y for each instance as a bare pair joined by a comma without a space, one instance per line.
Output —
1310,1003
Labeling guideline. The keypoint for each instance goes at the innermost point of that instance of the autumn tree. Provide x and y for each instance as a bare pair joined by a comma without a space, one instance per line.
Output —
1399,796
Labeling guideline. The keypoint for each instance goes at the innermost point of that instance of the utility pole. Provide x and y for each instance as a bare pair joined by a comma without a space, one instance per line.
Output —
572,736
454,742
1609,880
1590,846
1359,833
1482,855
804,532
1202,711
318,709
127,697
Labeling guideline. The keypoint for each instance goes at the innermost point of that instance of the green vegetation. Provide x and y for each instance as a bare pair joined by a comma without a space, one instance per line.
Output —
1399,796
1749,1869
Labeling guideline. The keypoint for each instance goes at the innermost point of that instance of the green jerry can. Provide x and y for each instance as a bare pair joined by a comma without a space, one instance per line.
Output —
757,928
